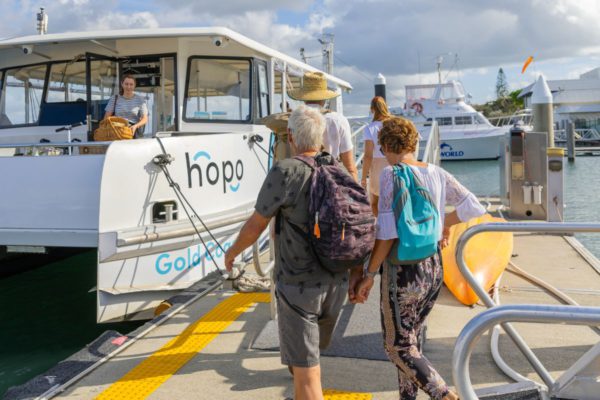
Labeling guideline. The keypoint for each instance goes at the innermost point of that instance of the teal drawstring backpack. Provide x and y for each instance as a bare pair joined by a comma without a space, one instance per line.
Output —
417,218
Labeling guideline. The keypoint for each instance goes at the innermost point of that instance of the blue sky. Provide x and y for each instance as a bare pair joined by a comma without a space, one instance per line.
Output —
398,38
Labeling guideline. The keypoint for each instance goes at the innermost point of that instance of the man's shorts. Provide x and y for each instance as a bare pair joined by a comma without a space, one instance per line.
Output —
306,319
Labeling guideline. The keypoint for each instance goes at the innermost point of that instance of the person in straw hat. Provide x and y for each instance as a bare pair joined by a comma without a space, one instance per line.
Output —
337,140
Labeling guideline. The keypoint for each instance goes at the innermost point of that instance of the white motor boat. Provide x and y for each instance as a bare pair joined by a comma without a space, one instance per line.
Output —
206,89
465,134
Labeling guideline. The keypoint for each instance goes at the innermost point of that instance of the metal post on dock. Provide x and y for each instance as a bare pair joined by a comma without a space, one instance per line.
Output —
543,112
570,129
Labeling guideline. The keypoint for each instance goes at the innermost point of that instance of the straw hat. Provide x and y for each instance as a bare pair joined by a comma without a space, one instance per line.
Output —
314,88
276,122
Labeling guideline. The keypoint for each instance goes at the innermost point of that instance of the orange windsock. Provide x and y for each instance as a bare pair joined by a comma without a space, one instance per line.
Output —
527,62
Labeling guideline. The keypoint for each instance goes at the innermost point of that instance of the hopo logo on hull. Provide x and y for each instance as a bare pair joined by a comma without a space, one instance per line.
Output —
203,169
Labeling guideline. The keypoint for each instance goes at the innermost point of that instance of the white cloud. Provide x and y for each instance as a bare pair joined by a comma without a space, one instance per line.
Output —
395,38
138,20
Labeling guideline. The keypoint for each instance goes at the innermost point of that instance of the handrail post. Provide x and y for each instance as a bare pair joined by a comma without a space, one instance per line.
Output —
539,227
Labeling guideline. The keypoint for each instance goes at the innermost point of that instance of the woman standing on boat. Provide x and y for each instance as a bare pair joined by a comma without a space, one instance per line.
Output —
374,161
129,106
409,291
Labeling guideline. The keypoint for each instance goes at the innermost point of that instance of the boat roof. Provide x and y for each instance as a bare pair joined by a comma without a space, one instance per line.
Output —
164,33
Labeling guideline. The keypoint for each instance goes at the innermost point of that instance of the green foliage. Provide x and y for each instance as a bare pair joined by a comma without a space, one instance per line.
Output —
506,105
501,85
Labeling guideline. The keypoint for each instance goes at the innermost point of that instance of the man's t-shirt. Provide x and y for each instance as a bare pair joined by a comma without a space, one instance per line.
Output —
338,137
286,190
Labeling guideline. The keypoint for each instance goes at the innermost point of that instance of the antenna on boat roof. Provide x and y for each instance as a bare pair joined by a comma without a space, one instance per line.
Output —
42,22
438,61
327,46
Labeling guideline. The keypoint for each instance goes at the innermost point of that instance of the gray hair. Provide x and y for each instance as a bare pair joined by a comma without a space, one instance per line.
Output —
308,127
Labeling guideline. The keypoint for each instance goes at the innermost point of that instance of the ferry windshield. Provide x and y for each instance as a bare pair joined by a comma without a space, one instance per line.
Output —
21,95
67,82
218,89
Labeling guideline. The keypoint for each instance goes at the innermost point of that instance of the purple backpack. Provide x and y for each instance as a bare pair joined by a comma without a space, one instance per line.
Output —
341,222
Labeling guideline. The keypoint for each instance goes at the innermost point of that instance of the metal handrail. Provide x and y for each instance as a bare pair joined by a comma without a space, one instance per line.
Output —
359,157
263,272
431,154
466,341
539,227
53,144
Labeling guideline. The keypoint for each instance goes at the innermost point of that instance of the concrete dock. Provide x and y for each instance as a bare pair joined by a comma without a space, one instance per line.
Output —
205,350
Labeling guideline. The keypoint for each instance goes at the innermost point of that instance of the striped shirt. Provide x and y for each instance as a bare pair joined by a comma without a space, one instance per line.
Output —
132,109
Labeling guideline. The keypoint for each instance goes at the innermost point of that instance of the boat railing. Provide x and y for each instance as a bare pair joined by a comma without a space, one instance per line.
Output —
356,142
525,116
52,144
530,227
476,327
581,134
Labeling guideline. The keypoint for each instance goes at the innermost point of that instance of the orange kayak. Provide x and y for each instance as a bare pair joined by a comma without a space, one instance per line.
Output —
487,255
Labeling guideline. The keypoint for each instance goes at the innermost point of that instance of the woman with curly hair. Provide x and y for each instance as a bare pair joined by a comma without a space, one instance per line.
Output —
409,291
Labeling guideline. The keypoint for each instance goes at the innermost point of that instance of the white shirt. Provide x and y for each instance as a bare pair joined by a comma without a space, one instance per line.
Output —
371,133
338,137
444,189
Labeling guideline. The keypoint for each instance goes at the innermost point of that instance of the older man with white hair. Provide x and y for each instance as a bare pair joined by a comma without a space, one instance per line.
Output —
337,139
309,298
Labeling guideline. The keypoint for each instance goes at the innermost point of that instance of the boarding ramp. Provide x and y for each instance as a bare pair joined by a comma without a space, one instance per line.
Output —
580,381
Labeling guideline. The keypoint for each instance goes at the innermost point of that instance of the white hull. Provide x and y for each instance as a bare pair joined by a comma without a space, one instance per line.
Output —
469,145
106,201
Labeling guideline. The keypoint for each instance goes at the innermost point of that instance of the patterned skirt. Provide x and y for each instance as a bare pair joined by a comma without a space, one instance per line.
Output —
408,293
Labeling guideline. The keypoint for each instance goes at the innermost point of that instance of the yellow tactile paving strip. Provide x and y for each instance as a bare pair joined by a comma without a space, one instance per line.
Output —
146,377
329,394
151,373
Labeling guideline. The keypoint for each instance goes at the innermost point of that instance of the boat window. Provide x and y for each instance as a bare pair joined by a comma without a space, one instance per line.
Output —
443,121
419,93
218,89
263,90
21,95
463,120
479,119
67,82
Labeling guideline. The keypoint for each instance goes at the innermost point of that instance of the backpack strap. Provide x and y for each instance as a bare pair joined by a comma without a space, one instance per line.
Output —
310,161
321,158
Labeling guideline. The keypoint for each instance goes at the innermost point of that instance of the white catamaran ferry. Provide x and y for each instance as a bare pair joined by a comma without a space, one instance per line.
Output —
206,89
465,134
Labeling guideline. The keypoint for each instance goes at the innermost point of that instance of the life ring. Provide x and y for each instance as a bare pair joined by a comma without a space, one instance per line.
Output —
418,107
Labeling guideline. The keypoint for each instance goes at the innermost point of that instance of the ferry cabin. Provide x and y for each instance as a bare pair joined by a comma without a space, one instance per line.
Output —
206,89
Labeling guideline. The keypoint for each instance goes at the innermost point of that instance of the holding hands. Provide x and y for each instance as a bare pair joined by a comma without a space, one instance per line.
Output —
360,286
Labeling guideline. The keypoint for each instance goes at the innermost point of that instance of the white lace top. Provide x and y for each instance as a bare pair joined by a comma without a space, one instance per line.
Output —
444,188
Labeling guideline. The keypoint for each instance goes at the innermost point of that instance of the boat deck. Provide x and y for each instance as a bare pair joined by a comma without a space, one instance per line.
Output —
205,351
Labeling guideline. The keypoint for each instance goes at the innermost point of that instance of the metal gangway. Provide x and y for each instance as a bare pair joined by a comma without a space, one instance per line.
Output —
580,381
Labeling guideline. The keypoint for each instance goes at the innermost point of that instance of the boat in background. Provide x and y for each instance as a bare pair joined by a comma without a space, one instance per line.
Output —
465,133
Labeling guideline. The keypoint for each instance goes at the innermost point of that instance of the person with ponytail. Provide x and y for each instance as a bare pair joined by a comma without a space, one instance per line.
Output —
374,160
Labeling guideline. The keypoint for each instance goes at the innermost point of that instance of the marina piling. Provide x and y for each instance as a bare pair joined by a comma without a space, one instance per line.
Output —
380,86
543,117
570,129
